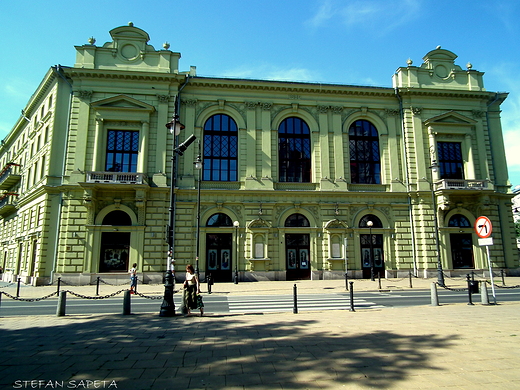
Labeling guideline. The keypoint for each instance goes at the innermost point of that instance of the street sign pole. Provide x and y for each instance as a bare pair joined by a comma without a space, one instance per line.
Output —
491,275
483,228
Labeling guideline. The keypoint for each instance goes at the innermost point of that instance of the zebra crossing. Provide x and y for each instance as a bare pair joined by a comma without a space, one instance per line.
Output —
308,302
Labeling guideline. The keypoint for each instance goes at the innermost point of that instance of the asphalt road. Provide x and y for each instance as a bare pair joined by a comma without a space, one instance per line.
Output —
251,304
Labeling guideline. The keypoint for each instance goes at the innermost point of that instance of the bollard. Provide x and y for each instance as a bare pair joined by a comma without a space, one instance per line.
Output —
59,286
379,279
484,298
126,303
410,277
469,290
346,281
0,298
62,303
434,296
18,288
352,296
295,308
502,274
97,286
210,283
137,281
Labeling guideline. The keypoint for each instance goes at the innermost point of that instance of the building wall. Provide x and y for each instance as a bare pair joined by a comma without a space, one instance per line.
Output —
70,207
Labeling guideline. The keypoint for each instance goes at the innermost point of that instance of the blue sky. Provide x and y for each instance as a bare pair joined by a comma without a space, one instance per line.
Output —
360,42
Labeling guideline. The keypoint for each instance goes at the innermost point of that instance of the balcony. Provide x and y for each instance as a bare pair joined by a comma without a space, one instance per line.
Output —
460,184
9,176
115,177
8,203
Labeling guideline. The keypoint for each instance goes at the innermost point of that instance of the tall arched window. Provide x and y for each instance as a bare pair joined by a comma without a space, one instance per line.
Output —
365,166
219,219
220,149
294,150
297,220
460,221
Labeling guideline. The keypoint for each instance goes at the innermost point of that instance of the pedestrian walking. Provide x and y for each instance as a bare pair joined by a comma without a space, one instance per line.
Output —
191,294
133,278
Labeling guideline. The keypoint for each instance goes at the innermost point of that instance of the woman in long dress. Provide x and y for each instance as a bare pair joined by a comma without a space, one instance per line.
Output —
191,290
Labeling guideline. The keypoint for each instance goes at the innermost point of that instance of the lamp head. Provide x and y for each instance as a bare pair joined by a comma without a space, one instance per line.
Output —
370,224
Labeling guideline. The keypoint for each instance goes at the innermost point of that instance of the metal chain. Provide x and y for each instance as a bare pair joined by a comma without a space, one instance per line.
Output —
29,299
148,296
496,285
100,297
453,289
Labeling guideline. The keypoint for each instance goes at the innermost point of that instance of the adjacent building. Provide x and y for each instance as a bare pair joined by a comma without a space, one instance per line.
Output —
296,181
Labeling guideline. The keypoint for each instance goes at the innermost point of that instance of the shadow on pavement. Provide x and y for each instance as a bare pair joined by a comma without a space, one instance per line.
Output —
217,352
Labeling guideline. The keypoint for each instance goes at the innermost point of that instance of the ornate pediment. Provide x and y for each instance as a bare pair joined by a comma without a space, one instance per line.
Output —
335,224
122,102
259,223
450,118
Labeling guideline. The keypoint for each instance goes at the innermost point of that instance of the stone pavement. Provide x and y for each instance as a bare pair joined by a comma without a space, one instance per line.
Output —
450,346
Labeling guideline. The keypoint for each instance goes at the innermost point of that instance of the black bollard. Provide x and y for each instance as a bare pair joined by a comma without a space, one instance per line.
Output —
97,286
295,297
62,304
469,290
210,283
18,288
346,281
502,274
410,277
58,288
379,279
126,303
352,296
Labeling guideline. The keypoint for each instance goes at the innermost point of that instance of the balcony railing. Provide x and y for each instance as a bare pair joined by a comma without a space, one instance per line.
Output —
460,184
9,176
115,177
7,203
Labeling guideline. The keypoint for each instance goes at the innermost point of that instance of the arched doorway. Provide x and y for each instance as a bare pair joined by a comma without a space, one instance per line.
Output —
115,246
461,243
219,249
297,249
372,255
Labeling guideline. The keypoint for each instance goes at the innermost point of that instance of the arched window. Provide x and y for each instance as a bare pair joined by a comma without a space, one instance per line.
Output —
118,218
294,150
219,219
460,221
365,166
297,220
363,223
220,149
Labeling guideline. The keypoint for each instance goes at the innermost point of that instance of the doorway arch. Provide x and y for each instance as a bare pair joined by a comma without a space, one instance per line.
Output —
297,248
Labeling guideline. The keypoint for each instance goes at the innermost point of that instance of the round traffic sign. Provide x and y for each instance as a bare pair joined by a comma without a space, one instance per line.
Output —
483,227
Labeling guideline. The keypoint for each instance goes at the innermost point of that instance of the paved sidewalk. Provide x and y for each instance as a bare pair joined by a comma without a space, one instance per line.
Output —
450,346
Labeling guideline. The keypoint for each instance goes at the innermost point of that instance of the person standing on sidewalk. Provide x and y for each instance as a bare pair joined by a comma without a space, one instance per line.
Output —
191,290
133,278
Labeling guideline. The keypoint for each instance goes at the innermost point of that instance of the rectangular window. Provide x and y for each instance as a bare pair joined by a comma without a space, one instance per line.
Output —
122,151
451,165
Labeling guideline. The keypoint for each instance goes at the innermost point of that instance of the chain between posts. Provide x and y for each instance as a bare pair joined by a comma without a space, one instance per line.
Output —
28,299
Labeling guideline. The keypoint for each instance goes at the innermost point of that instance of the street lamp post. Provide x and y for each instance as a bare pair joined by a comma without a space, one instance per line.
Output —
168,306
236,224
372,273
440,274
198,166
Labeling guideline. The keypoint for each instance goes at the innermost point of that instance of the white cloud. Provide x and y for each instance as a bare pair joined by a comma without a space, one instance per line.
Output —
386,15
273,72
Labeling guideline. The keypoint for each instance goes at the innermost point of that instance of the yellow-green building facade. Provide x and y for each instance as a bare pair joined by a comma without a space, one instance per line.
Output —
299,180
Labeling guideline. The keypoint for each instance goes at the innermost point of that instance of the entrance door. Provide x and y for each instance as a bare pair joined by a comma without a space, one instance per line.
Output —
218,256
297,253
115,250
372,254
462,250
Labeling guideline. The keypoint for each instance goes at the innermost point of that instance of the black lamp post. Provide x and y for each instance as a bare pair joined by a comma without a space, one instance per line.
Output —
372,273
168,306
198,166
236,224
440,274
